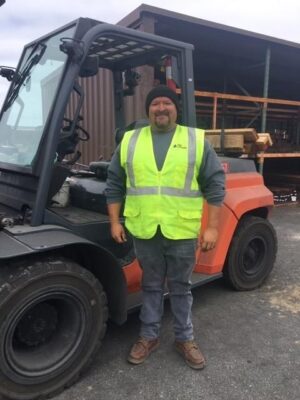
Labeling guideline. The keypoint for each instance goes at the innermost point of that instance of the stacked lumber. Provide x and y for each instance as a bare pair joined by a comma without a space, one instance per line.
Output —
232,142
242,140
249,134
264,141
234,139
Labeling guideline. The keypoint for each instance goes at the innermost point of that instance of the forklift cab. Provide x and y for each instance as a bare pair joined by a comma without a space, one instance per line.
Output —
37,128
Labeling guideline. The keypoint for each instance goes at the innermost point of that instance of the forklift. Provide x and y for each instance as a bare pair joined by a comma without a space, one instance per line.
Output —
61,274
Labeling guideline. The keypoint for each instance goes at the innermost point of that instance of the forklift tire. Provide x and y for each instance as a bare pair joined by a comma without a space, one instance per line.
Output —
53,317
252,254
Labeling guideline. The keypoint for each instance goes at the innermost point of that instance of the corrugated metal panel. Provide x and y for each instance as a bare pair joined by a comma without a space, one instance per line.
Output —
97,113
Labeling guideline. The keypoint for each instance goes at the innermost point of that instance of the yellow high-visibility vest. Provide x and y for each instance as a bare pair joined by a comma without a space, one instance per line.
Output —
171,197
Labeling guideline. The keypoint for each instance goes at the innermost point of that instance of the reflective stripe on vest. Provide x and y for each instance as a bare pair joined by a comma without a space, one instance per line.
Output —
171,197
186,191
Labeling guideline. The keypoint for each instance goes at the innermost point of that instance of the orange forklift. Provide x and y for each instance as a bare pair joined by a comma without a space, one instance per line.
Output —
61,274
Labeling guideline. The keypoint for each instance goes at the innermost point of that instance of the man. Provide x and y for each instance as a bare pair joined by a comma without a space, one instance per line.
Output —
163,171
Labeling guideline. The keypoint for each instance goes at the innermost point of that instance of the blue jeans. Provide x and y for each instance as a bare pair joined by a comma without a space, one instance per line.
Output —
166,261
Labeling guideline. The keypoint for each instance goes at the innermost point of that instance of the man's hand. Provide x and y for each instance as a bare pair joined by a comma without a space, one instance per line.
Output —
208,239
210,235
116,228
118,232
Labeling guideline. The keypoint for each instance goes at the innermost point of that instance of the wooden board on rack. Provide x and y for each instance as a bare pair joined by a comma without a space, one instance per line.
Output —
264,141
249,134
232,142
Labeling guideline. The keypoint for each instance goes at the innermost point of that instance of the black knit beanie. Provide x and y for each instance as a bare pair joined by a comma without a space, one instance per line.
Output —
161,91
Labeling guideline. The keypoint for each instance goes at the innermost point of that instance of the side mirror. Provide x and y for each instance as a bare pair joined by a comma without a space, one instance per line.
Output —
7,72
89,67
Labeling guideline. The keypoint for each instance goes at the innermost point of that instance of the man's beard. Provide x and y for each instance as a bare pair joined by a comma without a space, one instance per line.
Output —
162,124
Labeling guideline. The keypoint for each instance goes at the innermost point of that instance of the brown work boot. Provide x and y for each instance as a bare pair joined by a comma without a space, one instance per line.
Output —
142,349
191,354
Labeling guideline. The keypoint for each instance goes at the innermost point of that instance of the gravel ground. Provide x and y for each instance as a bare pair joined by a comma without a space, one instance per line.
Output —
251,341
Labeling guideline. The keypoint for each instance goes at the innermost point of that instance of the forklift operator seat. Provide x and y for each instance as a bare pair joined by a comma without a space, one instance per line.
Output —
140,123
100,167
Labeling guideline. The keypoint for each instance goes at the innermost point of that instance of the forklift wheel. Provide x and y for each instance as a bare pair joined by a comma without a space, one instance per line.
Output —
252,253
52,318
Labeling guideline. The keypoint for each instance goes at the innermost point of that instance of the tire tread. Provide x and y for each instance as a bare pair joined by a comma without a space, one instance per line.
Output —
17,275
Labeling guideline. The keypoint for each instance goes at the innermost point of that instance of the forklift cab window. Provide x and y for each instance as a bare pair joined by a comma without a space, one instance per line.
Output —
29,100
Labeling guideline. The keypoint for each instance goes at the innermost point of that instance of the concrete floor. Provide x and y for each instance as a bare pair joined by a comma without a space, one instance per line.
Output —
251,341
